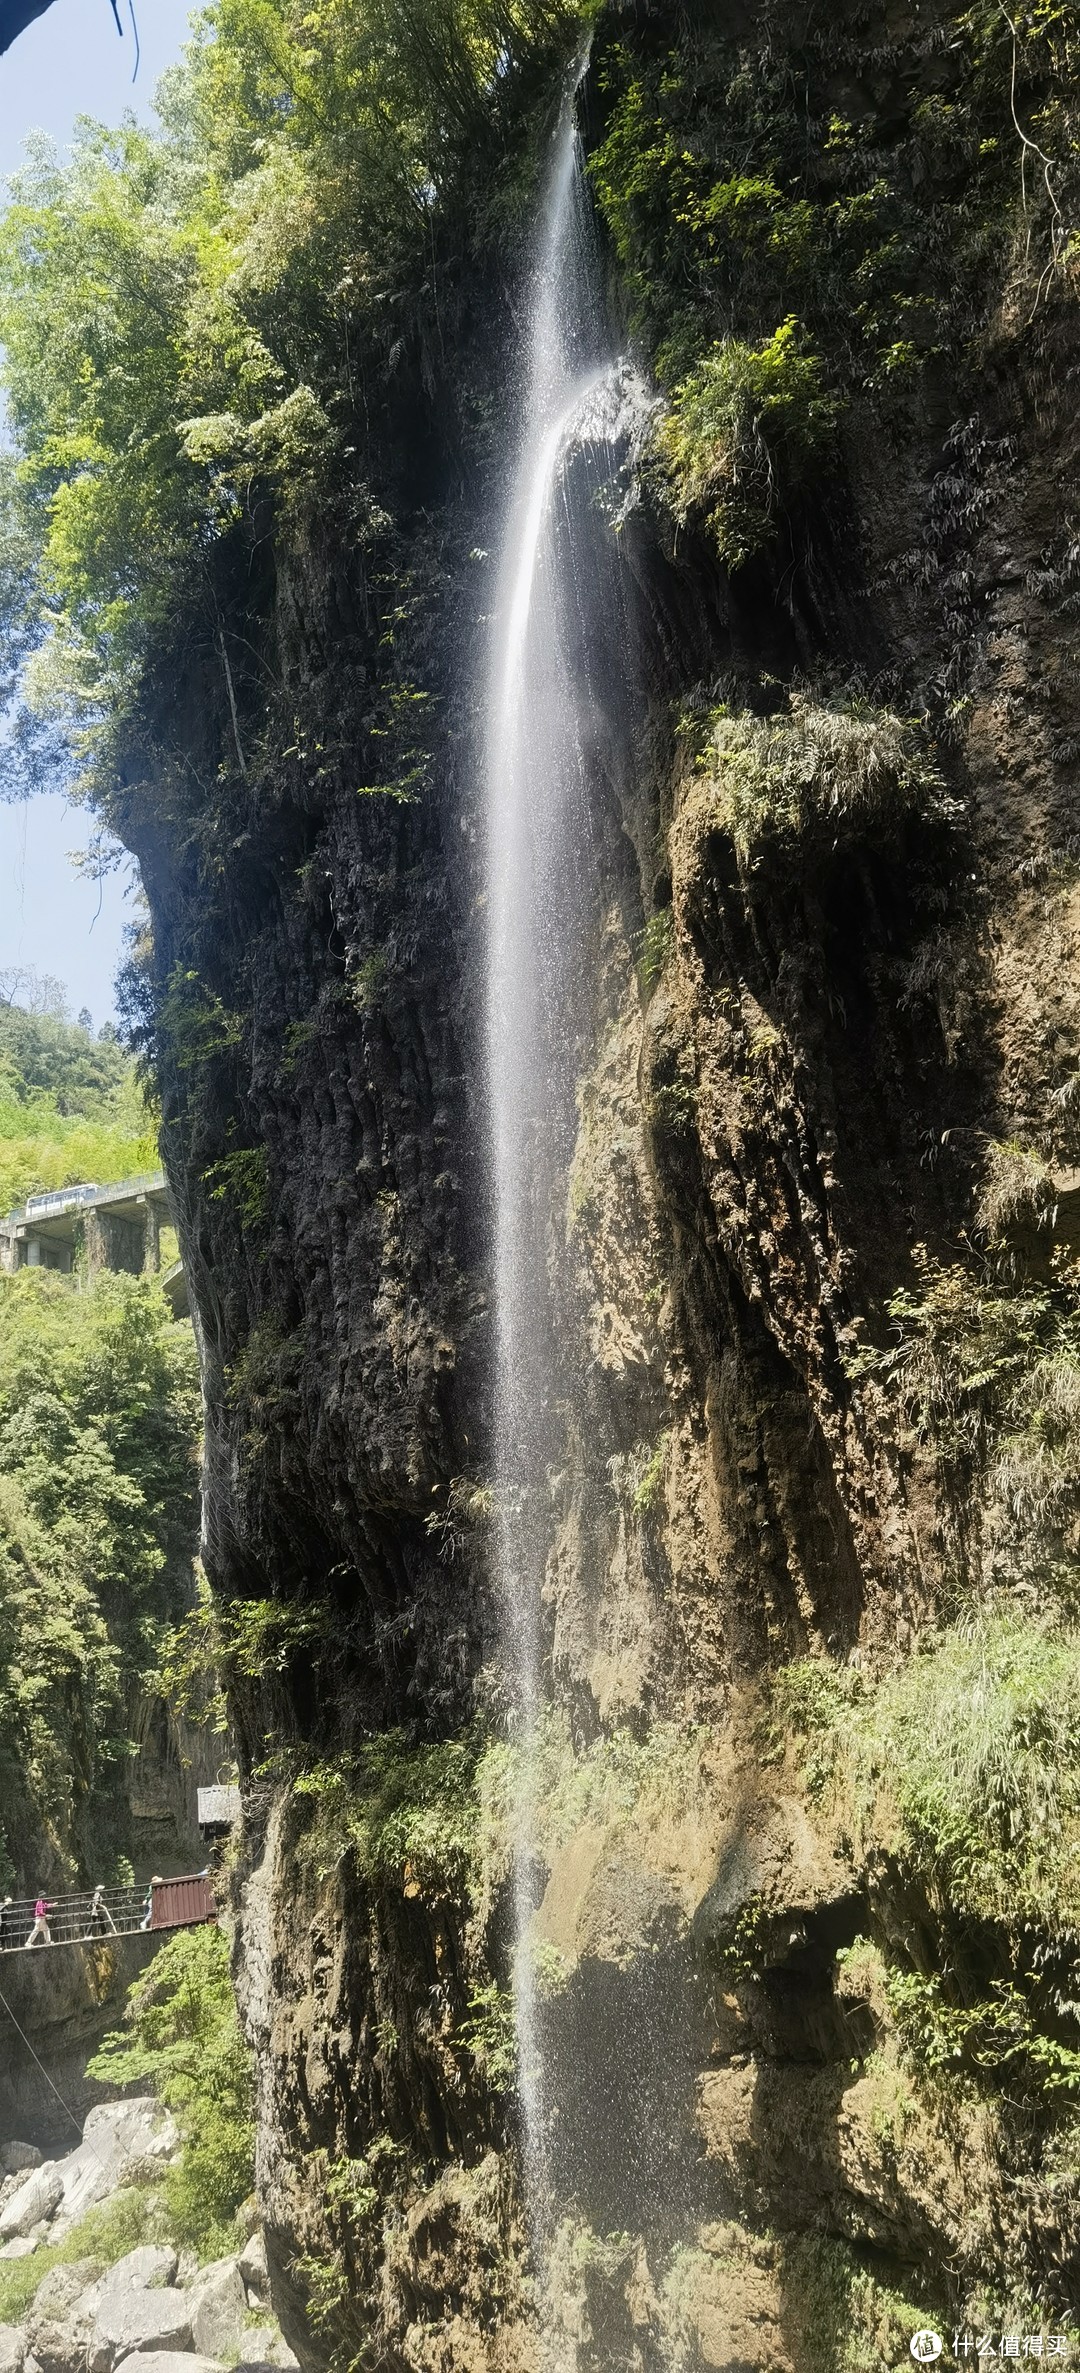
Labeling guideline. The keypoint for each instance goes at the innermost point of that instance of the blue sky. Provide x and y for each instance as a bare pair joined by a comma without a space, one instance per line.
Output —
71,63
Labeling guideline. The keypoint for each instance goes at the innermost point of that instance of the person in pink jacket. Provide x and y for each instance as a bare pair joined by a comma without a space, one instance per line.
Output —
39,1934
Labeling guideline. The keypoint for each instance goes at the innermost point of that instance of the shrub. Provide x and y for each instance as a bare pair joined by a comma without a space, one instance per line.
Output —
181,2036
241,1181
967,1760
997,2036
815,770
989,1381
408,1813
1016,1194
649,1488
744,433
654,949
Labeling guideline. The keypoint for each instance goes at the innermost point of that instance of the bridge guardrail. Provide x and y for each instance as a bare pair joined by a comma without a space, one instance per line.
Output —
91,1916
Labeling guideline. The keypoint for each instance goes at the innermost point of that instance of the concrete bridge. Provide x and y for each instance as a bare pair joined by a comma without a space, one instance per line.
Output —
115,1227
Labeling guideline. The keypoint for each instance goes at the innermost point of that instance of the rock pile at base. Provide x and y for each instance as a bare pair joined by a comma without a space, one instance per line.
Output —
154,2305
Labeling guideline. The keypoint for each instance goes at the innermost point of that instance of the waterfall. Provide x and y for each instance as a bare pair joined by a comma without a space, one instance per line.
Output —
541,708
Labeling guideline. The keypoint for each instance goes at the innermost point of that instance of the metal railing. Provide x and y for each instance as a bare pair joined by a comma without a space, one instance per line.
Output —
71,1919
83,1198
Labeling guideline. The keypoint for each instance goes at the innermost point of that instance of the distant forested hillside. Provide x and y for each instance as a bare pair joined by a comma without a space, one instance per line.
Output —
71,1107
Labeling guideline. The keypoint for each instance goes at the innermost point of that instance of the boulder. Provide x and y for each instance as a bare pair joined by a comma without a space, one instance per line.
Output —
16,2157
130,2321
164,2360
21,2247
120,2139
59,2292
60,2344
36,2197
60,2321
218,2307
12,2348
145,2269
254,2273
264,2345
70,2306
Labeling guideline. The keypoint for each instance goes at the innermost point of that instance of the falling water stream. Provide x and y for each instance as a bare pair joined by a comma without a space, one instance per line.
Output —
540,763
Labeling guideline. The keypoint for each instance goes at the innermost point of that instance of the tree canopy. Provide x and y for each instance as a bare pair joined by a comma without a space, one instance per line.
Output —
99,1429
194,319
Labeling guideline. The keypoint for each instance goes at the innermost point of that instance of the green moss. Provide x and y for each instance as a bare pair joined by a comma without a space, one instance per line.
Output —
968,1757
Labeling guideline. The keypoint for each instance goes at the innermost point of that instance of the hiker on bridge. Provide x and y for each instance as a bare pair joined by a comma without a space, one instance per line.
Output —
39,1934
7,1923
100,1922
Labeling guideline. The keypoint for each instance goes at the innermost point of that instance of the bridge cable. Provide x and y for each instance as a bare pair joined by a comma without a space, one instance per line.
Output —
68,2112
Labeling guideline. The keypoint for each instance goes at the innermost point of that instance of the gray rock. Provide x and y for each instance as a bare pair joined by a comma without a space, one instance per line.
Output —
130,2321
60,2346
12,2348
165,2360
218,2307
145,2269
264,2345
61,2319
254,2273
58,2292
256,2343
36,2197
21,2247
119,2139
16,2157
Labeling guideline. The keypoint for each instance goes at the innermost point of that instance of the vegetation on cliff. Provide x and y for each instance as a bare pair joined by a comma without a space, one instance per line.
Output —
804,250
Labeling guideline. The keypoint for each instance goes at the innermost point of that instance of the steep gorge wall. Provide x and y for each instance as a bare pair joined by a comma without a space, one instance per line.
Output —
800,1045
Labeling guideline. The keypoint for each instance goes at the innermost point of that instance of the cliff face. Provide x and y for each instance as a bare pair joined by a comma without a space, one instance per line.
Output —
806,1962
